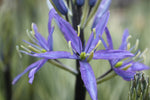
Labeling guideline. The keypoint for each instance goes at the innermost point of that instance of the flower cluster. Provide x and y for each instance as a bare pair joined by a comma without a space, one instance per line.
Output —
72,29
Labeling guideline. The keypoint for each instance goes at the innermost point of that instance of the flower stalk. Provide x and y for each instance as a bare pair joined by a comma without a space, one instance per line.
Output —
64,67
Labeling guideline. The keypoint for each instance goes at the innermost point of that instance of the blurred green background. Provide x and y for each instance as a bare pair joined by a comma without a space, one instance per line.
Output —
52,83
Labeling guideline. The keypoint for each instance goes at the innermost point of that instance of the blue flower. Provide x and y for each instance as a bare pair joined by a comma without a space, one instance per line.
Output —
125,68
82,53
42,45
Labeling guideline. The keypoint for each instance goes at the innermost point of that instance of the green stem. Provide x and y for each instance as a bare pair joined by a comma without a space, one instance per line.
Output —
64,67
103,79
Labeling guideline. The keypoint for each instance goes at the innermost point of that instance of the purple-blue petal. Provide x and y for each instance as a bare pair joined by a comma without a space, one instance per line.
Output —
34,70
136,66
111,54
99,31
125,74
90,40
41,40
60,5
123,45
69,33
50,39
109,39
101,11
32,45
25,71
89,79
56,55
102,23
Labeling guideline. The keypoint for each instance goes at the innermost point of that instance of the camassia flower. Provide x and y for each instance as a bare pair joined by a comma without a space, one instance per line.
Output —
126,68
42,45
84,53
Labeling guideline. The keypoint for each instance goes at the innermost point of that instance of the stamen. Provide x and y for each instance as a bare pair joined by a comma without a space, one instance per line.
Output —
17,48
99,42
118,64
144,59
128,66
33,49
137,55
26,49
70,48
94,31
128,46
90,56
30,35
32,29
136,44
144,52
128,37
78,30
43,50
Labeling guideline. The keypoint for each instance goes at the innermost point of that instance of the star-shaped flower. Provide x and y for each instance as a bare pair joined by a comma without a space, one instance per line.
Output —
85,53
126,68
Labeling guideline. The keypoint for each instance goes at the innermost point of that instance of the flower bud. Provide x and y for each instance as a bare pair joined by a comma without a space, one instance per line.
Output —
61,7
92,2
79,2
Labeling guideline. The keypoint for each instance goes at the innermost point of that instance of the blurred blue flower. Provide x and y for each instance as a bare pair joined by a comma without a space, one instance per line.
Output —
82,53
92,2
126,68
79,2
60,5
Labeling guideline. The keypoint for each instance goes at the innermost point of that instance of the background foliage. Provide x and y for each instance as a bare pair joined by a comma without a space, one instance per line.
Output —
52,83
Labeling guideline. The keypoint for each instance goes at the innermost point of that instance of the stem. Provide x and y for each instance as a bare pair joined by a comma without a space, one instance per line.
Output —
7,75
64,67
105,78
80,90
104,74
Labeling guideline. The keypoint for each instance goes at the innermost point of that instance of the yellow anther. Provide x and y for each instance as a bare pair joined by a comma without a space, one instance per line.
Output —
94,31
33,49
136,44
99,42
118,64
43,50
128,66
78,30
90,56
70,47
128,46
128,37
26,49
